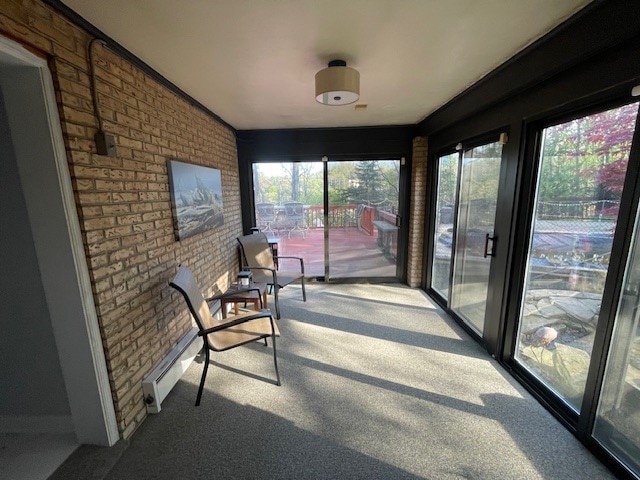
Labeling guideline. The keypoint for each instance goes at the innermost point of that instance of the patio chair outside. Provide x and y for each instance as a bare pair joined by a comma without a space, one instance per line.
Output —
265,216
294,218
258,257
219,335
354,219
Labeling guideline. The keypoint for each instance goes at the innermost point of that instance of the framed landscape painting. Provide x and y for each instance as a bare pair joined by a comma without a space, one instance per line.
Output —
196,198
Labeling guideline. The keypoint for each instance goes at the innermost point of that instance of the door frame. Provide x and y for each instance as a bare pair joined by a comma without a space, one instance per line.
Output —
578,423
401,259
42,163
491,337
403,207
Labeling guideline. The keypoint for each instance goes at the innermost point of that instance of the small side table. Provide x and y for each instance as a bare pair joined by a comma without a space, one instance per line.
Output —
244,296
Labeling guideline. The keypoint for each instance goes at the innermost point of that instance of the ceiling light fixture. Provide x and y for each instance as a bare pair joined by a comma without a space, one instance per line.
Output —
337,84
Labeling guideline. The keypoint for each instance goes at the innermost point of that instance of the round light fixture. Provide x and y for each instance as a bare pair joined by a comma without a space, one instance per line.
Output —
337,84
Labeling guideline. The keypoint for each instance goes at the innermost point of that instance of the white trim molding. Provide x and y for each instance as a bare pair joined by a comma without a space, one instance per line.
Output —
44,174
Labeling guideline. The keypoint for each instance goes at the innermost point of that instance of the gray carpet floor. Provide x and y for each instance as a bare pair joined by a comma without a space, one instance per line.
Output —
377,383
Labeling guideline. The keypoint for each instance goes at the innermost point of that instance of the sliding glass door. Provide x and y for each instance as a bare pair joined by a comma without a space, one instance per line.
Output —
363,218
477,199
288,200
464,237
617,426
582,165
352,231
568,325
443,231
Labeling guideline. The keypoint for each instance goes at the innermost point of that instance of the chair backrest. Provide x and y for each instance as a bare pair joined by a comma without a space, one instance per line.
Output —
294,210
256,252
185,283
265,211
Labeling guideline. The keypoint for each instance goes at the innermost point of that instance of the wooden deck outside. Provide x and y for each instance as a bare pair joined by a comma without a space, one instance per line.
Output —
352,252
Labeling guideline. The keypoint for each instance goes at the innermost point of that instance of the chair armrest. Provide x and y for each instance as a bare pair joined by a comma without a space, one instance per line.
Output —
230,293
237,321
260,268
278,257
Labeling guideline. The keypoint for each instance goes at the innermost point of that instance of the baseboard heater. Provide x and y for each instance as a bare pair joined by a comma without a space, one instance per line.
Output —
162,379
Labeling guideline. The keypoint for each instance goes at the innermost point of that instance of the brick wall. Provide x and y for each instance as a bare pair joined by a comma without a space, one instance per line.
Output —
123,202
417,208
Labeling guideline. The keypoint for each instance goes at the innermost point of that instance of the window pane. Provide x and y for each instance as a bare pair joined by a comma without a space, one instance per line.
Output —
288,209
479,181
445,210
582,168
363,206
617,424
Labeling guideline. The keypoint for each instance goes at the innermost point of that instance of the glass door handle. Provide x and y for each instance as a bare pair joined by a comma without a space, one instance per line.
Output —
488,253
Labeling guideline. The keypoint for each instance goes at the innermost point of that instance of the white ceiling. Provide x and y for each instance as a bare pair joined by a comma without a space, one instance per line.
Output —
253,62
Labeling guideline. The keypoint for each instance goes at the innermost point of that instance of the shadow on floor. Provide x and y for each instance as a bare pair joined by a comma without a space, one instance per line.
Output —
227,440
457,346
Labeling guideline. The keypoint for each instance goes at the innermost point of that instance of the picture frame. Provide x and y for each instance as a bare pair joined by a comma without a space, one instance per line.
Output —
196,198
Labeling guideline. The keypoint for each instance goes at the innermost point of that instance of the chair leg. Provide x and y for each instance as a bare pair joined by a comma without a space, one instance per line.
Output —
304,293
204,374
275,359
275,300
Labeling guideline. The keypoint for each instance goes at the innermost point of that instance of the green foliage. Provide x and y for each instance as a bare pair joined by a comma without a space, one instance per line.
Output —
447,179
586,158
373,183
481,174
283,182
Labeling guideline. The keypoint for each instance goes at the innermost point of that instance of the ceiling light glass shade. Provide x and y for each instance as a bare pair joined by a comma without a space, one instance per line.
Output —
337,84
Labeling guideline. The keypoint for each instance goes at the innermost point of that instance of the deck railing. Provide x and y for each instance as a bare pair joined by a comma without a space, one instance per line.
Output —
341,216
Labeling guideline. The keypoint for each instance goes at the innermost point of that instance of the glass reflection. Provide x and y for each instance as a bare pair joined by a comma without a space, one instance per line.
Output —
478,197
617,425
583,164
445,210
